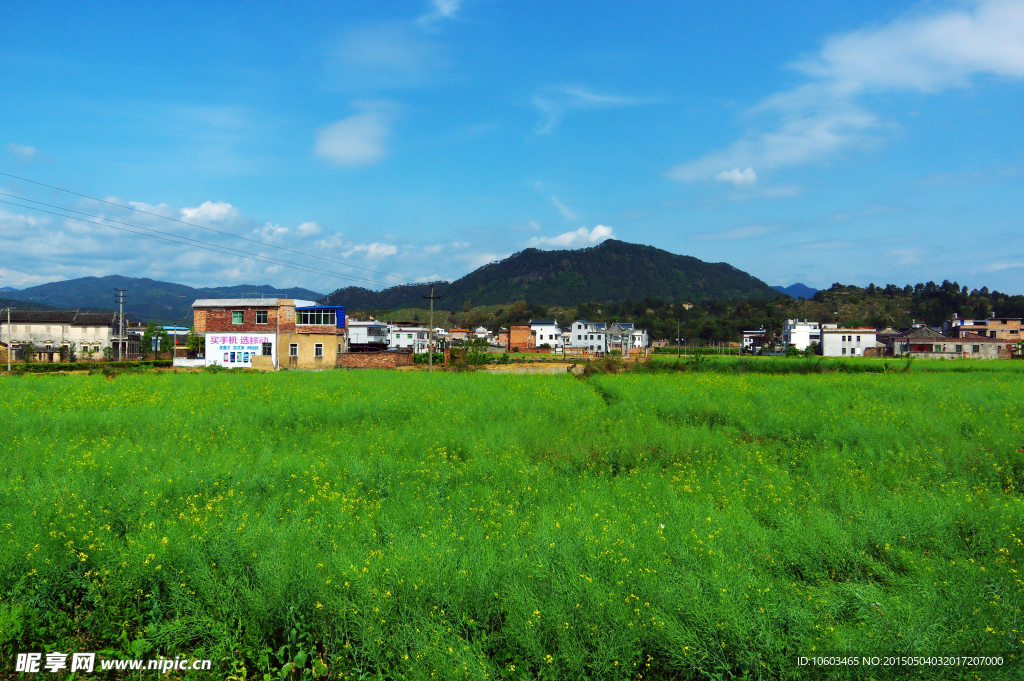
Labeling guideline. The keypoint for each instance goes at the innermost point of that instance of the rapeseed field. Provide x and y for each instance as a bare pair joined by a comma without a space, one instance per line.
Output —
471,526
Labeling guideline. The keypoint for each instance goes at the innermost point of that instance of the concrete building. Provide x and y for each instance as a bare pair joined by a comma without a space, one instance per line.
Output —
408,337
1003,328
927,343
847,342
95,335
589,336
752,342
545,333
270,333
367,335
801,333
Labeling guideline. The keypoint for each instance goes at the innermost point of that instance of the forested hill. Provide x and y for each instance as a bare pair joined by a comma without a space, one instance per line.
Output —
144,298
612,271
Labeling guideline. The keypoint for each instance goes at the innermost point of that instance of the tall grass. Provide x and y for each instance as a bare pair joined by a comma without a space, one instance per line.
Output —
695,526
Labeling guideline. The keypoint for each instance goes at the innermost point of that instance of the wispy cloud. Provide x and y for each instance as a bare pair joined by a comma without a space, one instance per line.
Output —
210,211
567,213
999,267
360,139
581,238
737,177
372,251
440,10
554,103
21,151
928,51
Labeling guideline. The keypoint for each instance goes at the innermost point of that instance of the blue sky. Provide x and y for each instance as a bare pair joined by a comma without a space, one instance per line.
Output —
799,141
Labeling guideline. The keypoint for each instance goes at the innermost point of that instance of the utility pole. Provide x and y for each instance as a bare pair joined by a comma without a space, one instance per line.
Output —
119,299
430,352
10,349
678,340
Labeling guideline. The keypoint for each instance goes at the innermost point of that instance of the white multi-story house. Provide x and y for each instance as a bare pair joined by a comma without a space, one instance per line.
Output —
847,342
415,338
368,335
800,333
591,336
545,333
639,338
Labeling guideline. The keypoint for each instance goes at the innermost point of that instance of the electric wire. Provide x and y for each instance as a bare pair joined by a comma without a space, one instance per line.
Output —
182,240
192,224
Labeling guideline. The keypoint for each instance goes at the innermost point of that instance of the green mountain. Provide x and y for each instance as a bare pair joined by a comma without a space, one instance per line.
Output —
21,305
612,271
145,299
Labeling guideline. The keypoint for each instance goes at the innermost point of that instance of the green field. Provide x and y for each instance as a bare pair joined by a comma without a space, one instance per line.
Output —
404,525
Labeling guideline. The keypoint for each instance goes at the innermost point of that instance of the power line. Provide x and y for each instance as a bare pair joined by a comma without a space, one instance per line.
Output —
182,240
192,224
229,249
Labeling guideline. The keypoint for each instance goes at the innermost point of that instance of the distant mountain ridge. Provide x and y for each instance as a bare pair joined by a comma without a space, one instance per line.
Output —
797,291
612,271
145,299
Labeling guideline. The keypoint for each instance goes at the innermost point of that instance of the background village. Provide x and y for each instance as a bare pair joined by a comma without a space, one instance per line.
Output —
283,333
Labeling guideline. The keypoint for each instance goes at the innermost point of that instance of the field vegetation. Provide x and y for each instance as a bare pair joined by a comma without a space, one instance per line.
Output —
660,525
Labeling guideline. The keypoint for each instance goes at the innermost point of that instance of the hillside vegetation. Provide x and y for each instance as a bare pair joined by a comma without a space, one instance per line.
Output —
612,271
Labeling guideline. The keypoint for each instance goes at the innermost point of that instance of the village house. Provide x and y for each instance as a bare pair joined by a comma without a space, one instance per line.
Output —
927,343
590,336
414,338
95,335
1003,328
269,333
802,333
752,342
367,335
847,342
545,333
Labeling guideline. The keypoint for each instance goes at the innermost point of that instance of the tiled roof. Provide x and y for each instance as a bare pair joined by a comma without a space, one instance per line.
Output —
42,316
975,338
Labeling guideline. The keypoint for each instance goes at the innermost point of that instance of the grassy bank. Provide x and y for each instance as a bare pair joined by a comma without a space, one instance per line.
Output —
686,526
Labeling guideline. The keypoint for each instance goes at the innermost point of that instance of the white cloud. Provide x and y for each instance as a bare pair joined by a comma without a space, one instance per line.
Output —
374,250
22,151
360,139
927,51
744,232
441,10
554,103
567,213
307,229
737,177
999,267
209,211
578,239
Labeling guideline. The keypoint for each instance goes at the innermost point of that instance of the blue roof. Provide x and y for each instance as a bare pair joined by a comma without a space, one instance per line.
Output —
540,322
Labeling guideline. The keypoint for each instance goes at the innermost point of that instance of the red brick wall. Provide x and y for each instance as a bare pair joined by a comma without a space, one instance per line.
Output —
220,320
375,360
520,336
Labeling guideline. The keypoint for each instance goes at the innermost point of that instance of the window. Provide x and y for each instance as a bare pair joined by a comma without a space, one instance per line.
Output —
318,350
938,348
293,349
858,339
339,348
991,334
238,316
579,337
268,349
409,335
261,316
959,348
975,349
844,339
318,317
844,351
